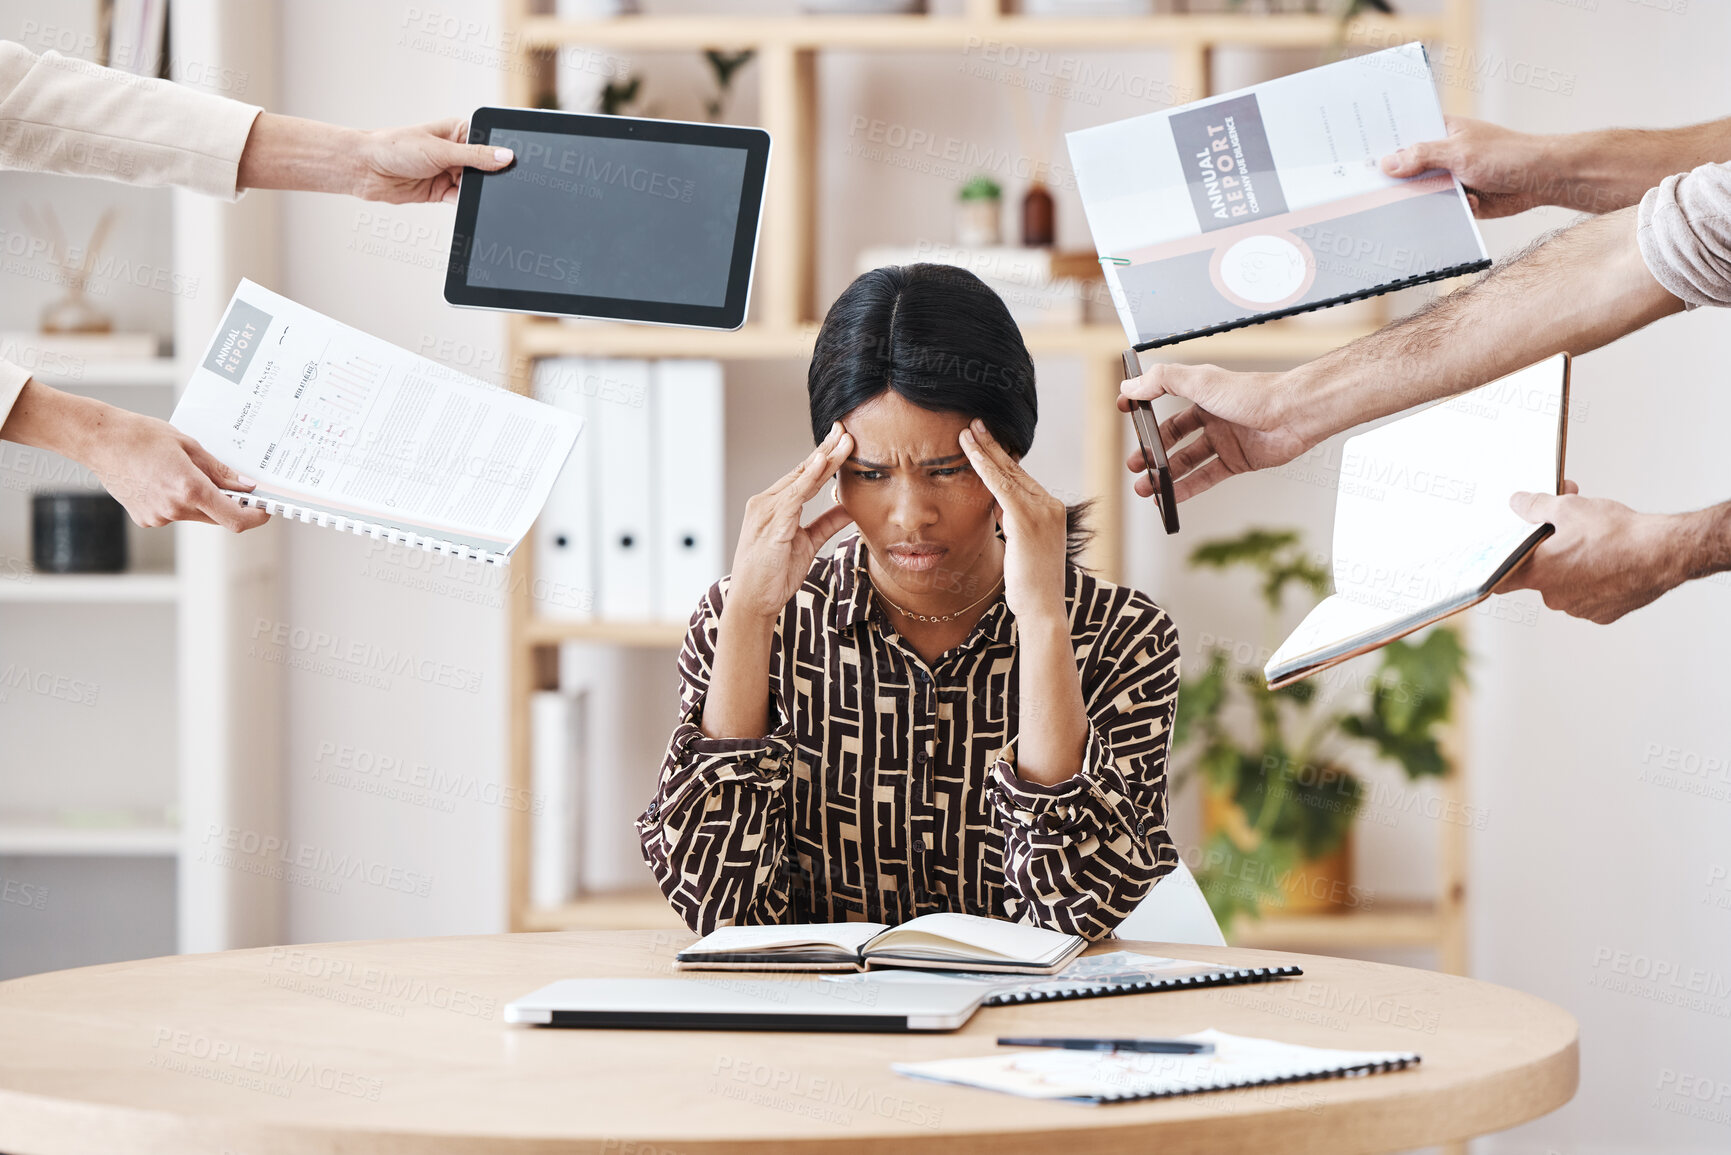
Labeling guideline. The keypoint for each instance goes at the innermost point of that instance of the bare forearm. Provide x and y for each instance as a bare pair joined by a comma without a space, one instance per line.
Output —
1601,171
1579,289
47,418
737,704
1704,541
1052,718
287,152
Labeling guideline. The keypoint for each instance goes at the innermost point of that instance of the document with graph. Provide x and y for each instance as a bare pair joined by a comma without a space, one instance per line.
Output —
341,429
1269,200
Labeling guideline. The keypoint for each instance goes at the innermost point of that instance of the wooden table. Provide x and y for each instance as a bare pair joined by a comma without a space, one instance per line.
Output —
399,1048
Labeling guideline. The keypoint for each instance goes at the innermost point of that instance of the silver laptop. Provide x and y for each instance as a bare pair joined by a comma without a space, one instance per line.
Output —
736,1004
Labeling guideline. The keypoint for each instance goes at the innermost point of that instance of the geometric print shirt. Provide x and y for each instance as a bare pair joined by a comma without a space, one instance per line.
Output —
886,786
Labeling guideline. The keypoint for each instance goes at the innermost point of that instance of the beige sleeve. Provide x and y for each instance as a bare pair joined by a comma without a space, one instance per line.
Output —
64,115
1684,230
12,379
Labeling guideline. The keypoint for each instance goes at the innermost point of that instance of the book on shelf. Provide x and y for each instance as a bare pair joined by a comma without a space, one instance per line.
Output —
944,941
634,527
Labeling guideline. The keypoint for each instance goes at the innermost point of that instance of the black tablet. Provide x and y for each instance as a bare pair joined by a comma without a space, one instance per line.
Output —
613,217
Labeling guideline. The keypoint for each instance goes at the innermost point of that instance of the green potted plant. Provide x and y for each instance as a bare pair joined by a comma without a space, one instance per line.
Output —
977,213
1279,799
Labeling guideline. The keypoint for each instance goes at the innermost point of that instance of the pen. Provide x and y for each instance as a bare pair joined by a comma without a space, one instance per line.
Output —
1145,1046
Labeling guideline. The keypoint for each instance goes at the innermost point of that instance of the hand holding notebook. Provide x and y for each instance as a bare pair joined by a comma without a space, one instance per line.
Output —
1422,523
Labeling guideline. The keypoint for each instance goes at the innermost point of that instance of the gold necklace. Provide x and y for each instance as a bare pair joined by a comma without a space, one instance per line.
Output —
940,617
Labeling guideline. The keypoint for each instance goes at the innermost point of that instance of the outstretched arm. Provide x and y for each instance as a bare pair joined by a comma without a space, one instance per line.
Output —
1575,290
1506,172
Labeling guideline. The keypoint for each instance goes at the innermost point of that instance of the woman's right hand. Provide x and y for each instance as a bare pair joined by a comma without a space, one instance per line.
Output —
775,550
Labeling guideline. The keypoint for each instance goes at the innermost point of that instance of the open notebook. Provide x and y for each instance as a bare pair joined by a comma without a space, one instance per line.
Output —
1422,524
945,941
344,430
1112,1076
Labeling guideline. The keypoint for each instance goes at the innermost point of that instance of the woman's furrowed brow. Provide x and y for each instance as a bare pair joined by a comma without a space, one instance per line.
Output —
921,464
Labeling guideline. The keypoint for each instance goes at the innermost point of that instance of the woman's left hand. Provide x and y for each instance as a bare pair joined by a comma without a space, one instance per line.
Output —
1034,527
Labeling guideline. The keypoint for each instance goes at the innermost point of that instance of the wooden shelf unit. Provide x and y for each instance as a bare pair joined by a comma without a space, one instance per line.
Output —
786,315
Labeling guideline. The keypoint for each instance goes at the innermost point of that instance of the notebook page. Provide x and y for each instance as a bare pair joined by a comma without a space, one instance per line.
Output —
1423,503
1422,513
1237,1061
952,935
325,416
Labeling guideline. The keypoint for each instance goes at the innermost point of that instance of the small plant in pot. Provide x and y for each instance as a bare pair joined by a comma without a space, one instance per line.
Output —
1279,798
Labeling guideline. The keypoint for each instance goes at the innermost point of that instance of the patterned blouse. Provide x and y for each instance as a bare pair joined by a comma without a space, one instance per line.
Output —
886,787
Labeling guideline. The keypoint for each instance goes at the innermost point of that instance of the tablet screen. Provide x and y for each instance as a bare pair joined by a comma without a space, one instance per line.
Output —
656,219
610,217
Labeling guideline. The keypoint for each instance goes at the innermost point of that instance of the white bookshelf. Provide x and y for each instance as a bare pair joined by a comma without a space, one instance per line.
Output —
111,801
42,839
116,589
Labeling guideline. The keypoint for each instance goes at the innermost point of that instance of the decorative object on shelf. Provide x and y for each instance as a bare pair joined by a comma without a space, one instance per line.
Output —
617,95
77,532
595,9
1039,217
1031,289
1279,800
979,211
1039,214
863,7
72,313
135,33
1062,8
724,65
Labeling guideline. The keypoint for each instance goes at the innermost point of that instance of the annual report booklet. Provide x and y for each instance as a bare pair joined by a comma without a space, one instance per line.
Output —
1422,524
1269,200
342,429
944,941
1113,1076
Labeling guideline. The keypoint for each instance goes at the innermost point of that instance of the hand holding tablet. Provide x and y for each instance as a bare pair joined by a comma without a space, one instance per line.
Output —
611,217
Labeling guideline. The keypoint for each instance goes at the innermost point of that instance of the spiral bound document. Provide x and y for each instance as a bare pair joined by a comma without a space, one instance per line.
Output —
1123,972
1118,972
1269,201
344,430
1120,1076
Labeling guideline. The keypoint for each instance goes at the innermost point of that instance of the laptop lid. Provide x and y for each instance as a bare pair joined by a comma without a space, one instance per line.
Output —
735,1004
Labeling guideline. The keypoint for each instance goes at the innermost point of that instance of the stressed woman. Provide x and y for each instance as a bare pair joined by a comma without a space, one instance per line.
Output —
945,713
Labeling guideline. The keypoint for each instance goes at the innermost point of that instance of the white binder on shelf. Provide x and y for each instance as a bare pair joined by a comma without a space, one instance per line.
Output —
690,429
564,535
624,443
555,787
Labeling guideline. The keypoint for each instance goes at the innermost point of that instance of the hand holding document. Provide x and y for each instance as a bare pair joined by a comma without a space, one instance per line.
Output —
1422,523
1269,200
344,430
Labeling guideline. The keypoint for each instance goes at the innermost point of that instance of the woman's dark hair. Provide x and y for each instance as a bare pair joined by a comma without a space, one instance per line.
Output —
941,339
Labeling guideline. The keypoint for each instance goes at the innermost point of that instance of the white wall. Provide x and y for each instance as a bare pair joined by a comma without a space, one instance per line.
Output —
1582,858
380,268
1579,859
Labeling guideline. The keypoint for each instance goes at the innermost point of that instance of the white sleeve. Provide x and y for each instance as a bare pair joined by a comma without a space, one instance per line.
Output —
65,115
1684,230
